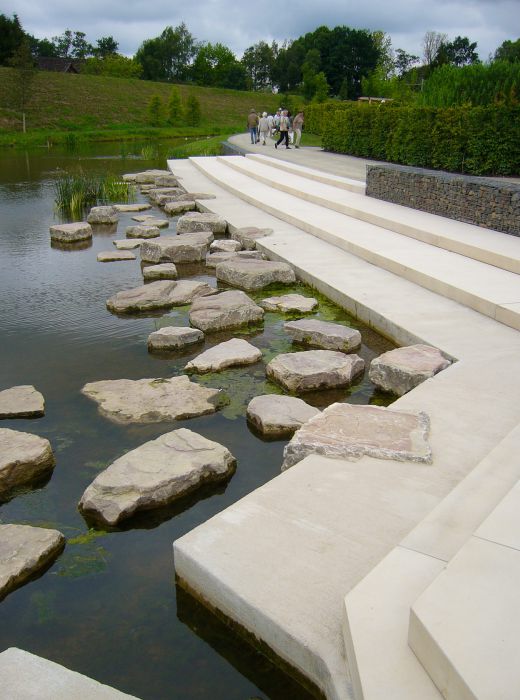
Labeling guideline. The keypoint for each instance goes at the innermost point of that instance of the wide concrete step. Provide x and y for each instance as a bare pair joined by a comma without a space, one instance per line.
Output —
482,287
491,247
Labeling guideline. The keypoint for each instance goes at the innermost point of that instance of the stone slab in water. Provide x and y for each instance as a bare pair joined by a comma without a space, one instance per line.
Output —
156,474
153,400
232,353
174,338
103,215
166,180
149,177
225,245
22,401
71,233
214,259
347,431
151,220
128,243
162,294
179,207
289,303
157,192
140,206
163,271
324,335
279,416
114,256
224,311
189,248
24,552
24,458
313,370
142,231
400,370
254,274
249,235
201,221
195,195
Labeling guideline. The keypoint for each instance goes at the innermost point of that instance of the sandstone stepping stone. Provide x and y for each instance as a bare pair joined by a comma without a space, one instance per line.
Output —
279,416
103,215
214,259
288,303
21,402
190,196
233,353
156,474
24,458
163,200
163,271
348,431
174,208
174,338
151,221
157,192
140,206
71,233
149,177
201,221
189,248
128,243
129,177
24,551
249,235
115,255
142,231
166,180
146,188
398,371
321,334
157,295
312,370
225,245
153,400
254,274
224,311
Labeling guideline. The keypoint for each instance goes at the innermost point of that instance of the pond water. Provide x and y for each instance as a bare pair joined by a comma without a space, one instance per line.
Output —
109,607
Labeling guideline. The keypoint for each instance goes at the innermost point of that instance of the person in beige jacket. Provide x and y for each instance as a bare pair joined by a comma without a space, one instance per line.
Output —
252,125
297,128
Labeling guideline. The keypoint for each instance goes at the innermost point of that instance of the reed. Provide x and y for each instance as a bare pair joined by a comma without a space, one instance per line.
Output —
74,193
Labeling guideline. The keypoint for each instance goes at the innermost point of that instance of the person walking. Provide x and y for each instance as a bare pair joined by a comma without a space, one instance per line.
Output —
252,125
263,128
297,126
284,130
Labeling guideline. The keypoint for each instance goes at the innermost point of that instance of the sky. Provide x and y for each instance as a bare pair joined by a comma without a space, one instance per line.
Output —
242,24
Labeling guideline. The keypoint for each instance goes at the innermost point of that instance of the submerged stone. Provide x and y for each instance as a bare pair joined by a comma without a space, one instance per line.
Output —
103,215
224,311
400,370
312,370
157,295
321,334
288,303
24,458
22,401
174,338
150,220
254,274
128,243
115,256
232,353
279,416
140,206
201,221
71,233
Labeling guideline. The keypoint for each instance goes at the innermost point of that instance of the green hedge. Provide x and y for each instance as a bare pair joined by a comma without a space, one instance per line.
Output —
474,140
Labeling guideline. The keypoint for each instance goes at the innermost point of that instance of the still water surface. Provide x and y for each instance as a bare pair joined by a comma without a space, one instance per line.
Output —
109,607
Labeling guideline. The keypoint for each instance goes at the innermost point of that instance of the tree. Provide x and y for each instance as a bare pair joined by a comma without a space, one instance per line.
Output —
258,61
432,42
42,47
310,69
11,36
174,107
72,45
459,52
155,110
106,46
113,65
23,63
321,91
386,62
168,56
217,65
404,62
508,51
193,112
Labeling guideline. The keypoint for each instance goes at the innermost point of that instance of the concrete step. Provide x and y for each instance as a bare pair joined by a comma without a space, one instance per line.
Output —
485,288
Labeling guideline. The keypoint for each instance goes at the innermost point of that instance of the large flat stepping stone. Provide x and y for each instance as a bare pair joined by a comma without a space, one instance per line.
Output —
189,248
347,431
142,231
249,235
128,243
163,271
254,274
166,180
153,400
156,474
321,334
312,370
279,416
163,294
139,206
225,245
232,353
157,193
147,176
195,195
398,371
224,311
24,458
103,215
71,233
24,551
151,220
214,259
22,401
201,221
174,338
115,256
289,303
179,207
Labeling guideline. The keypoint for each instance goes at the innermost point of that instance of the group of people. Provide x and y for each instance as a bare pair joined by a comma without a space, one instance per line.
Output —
288,129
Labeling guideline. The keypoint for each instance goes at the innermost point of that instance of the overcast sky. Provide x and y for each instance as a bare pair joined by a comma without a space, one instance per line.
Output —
241,24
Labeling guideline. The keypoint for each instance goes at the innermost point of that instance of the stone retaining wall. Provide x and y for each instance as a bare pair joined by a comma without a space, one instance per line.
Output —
493,204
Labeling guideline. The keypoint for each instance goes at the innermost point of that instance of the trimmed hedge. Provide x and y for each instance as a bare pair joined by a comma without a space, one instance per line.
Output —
475,140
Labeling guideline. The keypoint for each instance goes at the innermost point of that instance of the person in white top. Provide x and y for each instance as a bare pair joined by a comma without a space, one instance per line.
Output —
263,127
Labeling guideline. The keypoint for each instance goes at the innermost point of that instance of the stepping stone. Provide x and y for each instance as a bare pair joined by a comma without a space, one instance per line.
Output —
157,192
151,220
163,271
214,259
254,274
224,311
71,233
24,458
346,431
249,235
115,256
140,206
128,243
156,474
25,551
320,334
314,370
225,245
279,416
157,295
149,177
191,247
233,353
163,200
153,400
175,207
167,180
142,231
103,215
190,196
174,338
201,221
21,402
288,303
398,371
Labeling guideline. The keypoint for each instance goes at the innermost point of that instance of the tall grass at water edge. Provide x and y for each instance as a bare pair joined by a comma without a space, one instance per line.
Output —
74,193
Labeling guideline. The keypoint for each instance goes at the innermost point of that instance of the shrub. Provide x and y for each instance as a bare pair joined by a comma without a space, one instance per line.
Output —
192,112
